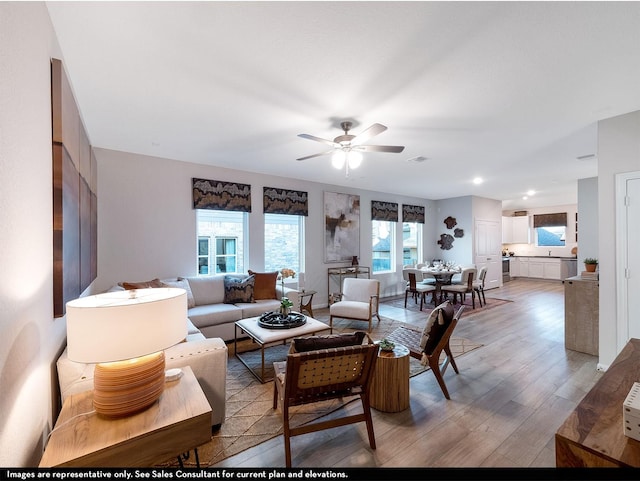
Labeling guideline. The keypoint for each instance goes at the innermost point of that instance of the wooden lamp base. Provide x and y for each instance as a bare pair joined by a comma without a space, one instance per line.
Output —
123,388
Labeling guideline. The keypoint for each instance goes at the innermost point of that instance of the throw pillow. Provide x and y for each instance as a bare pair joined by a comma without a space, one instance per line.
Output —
437,323
142,285
238,289
182,283
265,287
313,343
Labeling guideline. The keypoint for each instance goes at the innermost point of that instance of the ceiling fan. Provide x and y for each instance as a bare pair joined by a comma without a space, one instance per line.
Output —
347,148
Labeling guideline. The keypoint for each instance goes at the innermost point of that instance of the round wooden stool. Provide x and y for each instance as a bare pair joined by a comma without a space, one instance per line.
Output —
390,385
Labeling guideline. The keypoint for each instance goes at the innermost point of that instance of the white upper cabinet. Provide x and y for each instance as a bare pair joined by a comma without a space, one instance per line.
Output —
515,230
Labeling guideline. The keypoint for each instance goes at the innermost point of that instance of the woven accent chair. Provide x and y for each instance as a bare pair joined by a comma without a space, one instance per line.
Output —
414,287
309,377
429,344
359,301
465,287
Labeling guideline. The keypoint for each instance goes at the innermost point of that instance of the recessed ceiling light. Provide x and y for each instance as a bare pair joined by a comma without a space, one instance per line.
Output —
531,192
524,197
477,180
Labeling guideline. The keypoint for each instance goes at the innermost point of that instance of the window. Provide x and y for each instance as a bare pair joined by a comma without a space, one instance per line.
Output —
383,245
203,255
411,242
221,241
550,229
283,242
552,236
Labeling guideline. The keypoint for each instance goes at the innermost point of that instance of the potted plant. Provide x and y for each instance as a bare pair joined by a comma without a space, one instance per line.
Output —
590,264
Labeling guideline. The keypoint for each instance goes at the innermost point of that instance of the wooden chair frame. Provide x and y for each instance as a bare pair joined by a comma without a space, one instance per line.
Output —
463,289
313,376
411,339
416,290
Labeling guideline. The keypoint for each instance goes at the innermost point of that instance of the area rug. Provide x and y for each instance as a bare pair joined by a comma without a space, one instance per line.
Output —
426,308
250,418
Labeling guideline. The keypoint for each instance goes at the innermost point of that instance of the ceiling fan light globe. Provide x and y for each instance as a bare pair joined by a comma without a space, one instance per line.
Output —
338,158
355,159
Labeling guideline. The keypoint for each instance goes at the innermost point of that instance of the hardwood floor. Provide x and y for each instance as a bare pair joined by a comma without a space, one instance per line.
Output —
506,404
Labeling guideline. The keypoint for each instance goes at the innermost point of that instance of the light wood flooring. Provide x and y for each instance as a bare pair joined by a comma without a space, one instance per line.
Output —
506,404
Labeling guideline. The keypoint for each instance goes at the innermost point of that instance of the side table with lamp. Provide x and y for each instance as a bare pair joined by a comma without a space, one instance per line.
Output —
125,332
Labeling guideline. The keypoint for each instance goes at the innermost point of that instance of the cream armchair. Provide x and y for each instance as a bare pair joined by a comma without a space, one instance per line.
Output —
359,301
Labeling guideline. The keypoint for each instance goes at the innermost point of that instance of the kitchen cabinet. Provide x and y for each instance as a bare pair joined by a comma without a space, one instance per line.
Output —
515,230
514,267
523,266
537,267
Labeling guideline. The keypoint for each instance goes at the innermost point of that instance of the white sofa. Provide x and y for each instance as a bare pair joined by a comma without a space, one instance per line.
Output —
215,318
207,358
206,300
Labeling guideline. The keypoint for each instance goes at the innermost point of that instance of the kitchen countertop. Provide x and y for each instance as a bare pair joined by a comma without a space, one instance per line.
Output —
545,257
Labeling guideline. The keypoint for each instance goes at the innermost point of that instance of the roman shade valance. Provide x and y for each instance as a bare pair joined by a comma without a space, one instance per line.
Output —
550,220
220,195
381,210
413,213
283,201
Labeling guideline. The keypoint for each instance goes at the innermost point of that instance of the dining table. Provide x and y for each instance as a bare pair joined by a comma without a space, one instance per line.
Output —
442,276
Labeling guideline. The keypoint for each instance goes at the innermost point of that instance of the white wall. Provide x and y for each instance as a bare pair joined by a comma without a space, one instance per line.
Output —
30,338
618,151
147,227
461,208
587,220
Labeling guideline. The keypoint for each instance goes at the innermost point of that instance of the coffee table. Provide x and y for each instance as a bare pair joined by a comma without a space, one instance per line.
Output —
267,337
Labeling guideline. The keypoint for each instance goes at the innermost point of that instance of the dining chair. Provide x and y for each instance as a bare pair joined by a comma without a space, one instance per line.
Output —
428,344
478,285
465,287
417,289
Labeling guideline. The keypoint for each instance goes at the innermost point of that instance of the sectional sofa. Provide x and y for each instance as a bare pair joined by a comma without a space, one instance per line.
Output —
214,304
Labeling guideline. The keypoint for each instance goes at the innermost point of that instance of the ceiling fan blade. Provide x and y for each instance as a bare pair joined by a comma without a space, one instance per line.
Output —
316,155
379,148
365,135
318,139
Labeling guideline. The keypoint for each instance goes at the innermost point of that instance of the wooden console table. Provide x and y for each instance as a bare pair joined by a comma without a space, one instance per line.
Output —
178,422
592,435
342,272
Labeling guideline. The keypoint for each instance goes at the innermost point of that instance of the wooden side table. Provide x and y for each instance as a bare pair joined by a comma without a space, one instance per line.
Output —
390,385
306,306
178,422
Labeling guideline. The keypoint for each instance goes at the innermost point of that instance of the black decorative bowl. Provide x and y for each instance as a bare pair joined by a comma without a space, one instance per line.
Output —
276,320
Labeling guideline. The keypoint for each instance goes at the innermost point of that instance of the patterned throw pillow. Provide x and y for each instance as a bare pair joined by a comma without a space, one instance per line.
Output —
437,323
238,289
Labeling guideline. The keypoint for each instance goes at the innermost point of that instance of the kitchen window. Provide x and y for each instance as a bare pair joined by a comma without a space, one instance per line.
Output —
550,229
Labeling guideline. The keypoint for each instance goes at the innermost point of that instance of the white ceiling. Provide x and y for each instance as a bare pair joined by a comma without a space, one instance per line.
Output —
508,91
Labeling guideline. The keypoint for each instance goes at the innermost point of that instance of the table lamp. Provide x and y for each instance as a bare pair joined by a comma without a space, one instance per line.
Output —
125,333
